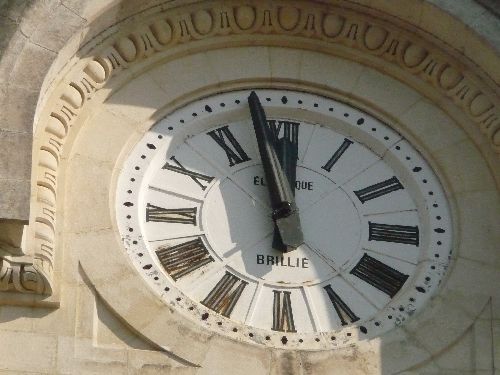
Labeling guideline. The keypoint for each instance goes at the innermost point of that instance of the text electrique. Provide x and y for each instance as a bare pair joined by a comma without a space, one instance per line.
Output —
280,261
299,185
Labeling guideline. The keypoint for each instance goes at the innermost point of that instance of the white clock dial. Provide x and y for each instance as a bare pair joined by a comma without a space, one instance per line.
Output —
194,212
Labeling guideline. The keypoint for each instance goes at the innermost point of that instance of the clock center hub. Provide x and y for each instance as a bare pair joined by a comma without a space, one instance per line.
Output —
238,225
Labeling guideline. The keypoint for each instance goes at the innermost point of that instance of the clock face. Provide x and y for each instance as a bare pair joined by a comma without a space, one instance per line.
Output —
194,213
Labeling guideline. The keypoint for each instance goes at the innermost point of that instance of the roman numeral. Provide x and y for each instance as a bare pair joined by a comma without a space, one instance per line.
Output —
393,233
337,154
235,154
282,312
195,176
290,130
225,294
380,275
377,190
171,215
179,260
343,311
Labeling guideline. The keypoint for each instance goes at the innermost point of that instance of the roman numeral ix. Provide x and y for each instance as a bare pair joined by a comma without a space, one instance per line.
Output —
235,154
225,294
343,311
179,260
171,215
337,154
380,275
379,189
195,176
393,233
282,312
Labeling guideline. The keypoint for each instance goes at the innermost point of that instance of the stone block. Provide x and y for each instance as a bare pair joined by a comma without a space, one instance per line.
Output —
15,155
57,28
427,122
385,93
14,200
184,75
285,63
25,351
13,9
335,73
38,59
465,168
13,45
439,325
14,318
459,356
139,99
155,362
224,357
341,361
496,345
479,222
483,347
237,64
85,192
17,106
114,131
35,13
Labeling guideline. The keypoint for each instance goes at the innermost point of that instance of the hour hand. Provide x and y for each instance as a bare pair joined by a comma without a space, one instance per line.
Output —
285,212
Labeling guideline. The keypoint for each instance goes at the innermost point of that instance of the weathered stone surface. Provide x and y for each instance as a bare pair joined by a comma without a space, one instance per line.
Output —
14,203
15,155
93,331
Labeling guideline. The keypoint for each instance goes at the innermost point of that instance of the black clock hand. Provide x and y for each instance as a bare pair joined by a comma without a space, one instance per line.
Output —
285,212
287,154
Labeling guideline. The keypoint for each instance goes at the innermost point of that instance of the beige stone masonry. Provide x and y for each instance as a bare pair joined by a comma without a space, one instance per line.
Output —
100,100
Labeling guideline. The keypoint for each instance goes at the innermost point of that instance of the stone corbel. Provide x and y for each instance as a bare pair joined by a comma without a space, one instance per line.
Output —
20,272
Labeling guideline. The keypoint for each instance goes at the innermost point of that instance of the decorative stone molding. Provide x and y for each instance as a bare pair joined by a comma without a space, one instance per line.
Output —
313,25
24,275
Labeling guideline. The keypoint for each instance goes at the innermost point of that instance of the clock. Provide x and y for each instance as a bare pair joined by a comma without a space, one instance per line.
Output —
197,218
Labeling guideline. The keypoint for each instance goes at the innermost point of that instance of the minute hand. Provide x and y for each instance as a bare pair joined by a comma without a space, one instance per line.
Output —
285,212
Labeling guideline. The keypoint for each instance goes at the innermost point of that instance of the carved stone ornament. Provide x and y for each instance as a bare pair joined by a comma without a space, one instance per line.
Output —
209,25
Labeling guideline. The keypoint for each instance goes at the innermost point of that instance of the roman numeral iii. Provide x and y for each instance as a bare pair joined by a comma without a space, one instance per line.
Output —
234,152
182,259
195,176
282,312
379,189
171,215
393,233
225,294
343,311
337,154
380,275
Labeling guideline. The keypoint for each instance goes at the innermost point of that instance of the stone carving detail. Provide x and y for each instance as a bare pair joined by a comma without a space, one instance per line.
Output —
337,28
23,275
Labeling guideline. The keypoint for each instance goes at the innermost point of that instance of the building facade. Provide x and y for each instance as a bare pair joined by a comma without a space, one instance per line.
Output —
99,101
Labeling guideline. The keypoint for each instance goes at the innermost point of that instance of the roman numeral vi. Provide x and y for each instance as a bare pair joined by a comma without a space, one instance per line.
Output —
282,312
